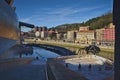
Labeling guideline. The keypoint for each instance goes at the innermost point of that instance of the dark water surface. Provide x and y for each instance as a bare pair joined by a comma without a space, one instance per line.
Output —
41,53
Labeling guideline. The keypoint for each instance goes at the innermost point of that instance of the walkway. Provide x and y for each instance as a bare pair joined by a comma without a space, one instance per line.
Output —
99,66
24,72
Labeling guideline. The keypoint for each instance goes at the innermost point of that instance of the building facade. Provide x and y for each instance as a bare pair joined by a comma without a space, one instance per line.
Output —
61,35
71,36
44,34
109,35
83,28
85,37
42,28
100,36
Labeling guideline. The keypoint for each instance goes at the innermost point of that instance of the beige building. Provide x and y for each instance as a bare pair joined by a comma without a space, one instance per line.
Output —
84,28
85,37
59,36
111,25
71,35
99,35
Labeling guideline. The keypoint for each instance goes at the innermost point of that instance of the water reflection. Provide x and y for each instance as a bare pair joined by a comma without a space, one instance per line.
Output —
41,53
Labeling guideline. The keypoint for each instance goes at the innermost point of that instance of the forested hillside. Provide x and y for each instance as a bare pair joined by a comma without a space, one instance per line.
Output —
94,23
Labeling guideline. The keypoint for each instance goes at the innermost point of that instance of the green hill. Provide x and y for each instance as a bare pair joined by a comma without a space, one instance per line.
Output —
94,23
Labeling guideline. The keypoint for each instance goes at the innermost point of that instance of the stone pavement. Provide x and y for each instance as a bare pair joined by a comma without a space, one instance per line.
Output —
99,66
24,72
15,69
57,71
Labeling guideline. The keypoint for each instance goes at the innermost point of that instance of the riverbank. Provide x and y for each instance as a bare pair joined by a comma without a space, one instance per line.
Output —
105,52
35,69
57,49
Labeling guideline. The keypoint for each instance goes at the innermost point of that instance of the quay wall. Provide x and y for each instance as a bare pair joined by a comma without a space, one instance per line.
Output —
57,71
58,50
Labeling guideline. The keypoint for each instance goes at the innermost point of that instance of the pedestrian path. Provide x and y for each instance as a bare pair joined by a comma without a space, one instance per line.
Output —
25,72
99,66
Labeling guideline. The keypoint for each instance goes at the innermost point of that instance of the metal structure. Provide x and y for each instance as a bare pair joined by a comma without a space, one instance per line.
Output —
9,26
26,25
23,24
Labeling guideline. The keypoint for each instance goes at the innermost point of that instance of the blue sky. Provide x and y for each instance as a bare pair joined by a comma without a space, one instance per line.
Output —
51,13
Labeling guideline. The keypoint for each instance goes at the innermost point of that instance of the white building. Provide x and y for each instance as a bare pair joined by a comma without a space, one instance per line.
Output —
44,34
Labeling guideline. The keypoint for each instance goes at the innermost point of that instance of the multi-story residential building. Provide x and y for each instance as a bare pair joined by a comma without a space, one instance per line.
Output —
99,36
65,36
85,37
50,31
71,36
58,36
35,29
51,34
109,36
84,28
105,35
111,25
32,33
61,35
39,29
42,28
25,34
44,34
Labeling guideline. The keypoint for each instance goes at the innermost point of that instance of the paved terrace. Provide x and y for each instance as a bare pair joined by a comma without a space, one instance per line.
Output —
99,66
57,71
20,69
24,69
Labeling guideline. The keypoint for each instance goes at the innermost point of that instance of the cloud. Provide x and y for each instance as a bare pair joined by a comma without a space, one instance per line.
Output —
25,19
31,18
68,11
58,15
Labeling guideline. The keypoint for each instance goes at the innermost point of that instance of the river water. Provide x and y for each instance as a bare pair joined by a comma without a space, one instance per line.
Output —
37,52
41,54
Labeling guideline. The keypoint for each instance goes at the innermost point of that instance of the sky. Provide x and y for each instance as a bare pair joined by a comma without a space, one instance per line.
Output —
52,13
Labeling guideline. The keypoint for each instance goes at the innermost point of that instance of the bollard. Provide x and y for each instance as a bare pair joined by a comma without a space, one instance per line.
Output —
66,65
79,67
89,67
37,58
99,68
20,55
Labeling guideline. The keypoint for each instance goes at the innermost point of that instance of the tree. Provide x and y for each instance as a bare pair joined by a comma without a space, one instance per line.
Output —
94,23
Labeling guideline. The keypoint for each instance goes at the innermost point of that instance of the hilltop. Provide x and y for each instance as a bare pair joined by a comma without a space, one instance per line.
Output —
94,23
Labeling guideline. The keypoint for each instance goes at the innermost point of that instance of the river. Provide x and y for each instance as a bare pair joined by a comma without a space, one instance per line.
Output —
41,54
